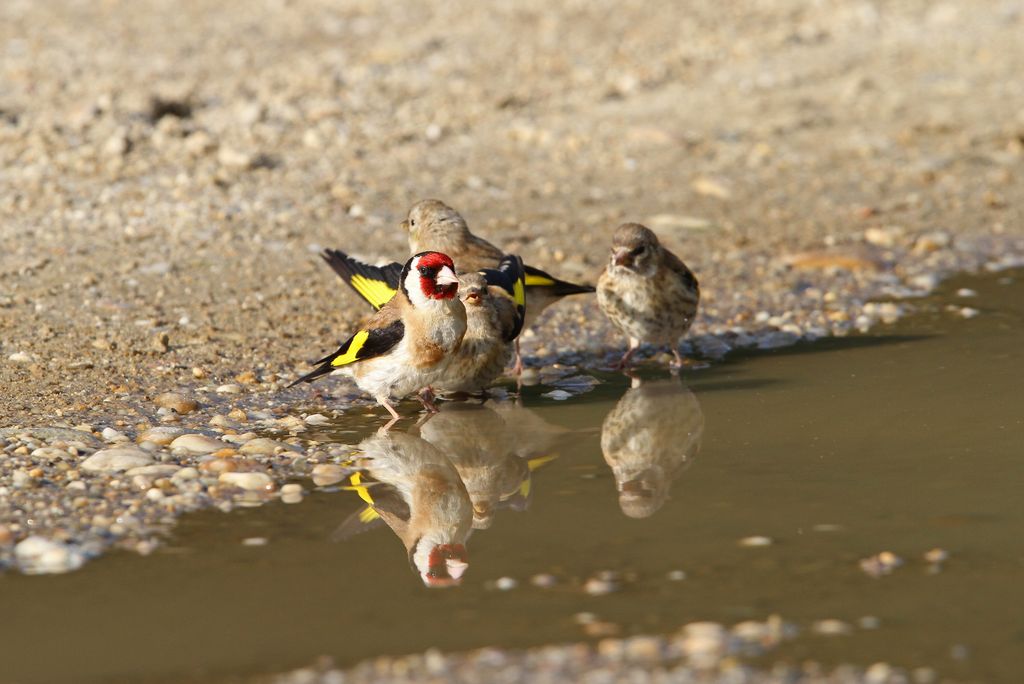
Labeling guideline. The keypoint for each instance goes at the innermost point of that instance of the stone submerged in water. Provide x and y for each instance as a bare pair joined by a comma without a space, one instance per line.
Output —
116,458
41,556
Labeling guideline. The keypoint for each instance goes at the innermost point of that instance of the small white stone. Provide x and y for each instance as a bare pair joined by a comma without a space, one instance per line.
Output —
291,488
38,556
968,312
252,482
966,292
197,444
21,357
262,445
505,583
254,541
756,541
111,435
160,435
830,627
117,458
229,389
154,494
317,419
676,575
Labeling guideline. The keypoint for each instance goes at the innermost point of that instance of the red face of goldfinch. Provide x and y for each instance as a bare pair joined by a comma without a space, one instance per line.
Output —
436,275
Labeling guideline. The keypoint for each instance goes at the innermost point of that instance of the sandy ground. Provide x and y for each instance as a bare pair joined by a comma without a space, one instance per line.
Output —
169,170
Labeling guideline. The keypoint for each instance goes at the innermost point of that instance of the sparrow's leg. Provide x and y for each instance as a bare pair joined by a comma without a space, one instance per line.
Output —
517,369
426,397
623,364
678,363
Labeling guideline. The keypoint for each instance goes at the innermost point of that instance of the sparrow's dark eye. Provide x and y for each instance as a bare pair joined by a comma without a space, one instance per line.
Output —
412,222
638,251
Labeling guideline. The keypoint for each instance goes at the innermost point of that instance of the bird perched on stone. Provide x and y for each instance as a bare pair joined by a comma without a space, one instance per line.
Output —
648,439
407,345
432,224
495,310
646,291
411,486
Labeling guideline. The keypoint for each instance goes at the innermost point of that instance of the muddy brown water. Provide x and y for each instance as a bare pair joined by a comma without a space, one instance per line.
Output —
903,440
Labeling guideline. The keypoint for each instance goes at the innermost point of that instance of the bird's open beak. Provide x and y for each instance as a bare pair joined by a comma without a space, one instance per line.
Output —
622,257
446,276
473,296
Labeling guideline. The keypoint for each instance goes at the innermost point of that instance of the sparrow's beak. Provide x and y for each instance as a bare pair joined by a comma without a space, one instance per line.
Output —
622,257
446,276
473,296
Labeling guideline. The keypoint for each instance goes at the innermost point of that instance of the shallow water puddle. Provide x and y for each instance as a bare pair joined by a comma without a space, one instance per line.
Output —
789,469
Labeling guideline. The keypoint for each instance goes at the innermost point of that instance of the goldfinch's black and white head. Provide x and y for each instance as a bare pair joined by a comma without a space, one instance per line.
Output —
439,564
635,248
429,220
429,276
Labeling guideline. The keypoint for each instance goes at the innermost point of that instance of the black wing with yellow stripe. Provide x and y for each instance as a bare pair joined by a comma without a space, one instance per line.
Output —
510,276
376,284
536,278
367,343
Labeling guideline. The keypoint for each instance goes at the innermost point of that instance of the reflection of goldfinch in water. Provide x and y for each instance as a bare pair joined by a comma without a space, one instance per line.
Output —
646,291
494,301
405,347
418,493
432,224
651,435
483,448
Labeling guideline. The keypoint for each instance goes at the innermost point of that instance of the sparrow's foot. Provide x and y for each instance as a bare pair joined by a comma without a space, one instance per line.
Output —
426,397
678,363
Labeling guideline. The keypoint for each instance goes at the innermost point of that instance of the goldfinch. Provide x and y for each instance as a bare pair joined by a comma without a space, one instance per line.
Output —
646,291
406,346
415,490
494,300
432,224
648,439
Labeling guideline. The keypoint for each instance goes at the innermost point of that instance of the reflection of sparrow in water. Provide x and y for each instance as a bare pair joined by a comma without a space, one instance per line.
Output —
483,447
432,224
646,291
406,345
494,300
648,439
416,490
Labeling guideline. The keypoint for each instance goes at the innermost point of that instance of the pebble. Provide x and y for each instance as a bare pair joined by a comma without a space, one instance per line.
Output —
110,435
178,403
249,481
831,627
317,419
156,470
676,575
599,586
881,564
505,583
21,357
756,541
543,580
38,556
197,444
229,389
936,555
254,541
262,445
117,458
326,474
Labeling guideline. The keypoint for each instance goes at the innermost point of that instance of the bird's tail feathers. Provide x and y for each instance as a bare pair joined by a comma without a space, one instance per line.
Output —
560,288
